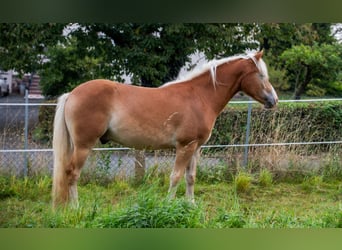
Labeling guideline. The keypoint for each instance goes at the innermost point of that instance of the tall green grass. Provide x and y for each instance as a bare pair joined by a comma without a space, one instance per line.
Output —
149,210
314,202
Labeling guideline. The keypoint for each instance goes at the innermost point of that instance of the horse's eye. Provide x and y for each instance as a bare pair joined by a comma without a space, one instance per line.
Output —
262,78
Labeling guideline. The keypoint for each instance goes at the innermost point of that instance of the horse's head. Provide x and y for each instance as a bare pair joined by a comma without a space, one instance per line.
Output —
255,82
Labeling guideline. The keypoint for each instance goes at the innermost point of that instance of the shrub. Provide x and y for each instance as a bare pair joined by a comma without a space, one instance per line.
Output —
43,131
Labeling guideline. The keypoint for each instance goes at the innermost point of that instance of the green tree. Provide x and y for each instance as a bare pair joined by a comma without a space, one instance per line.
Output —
150,53
275,38
22,46
154,53
315,69
278,37
67,66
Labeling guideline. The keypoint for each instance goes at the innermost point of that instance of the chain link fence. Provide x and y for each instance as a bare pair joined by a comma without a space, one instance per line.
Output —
26,150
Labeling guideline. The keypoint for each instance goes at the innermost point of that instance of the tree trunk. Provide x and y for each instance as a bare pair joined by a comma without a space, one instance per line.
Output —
302,86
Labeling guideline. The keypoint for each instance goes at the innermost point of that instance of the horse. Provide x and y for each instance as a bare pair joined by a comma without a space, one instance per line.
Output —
180,114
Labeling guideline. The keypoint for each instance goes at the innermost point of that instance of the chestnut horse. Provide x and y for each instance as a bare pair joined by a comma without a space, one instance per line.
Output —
179,114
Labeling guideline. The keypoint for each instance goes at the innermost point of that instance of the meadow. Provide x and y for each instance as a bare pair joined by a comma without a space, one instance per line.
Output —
240,200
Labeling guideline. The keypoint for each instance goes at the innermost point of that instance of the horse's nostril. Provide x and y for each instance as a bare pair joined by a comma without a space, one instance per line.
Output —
270,102
268,105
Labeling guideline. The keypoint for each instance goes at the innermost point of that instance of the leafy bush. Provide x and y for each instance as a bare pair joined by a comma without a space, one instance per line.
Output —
43,132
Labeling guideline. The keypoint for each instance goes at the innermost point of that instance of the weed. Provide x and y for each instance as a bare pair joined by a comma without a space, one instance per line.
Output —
233,219
265,178
242,182
281,219
311,183
332,219
332,169
215,174
6,190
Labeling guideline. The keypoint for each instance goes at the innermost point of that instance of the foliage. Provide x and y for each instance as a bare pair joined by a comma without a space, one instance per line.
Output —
288,123
153,53
22,46
275,38
43,131
278,77
314,69
68,66
309,54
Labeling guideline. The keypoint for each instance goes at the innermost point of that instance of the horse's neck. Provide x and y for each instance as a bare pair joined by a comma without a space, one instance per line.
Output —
217,94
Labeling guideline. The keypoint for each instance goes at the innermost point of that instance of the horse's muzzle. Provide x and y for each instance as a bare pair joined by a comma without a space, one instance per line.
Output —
270,102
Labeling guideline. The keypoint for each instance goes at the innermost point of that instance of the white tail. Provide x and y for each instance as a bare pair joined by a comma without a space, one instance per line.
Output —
62,149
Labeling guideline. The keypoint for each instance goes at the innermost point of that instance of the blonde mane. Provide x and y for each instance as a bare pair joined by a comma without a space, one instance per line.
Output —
213,64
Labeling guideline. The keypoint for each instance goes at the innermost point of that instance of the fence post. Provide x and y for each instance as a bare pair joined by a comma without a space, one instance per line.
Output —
245,157
140,165
26,134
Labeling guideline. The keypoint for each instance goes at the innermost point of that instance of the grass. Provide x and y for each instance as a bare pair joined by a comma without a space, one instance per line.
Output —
265,178
314,202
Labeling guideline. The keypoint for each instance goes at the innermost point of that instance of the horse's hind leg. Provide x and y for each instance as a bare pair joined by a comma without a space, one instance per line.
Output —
183,159
78,159
190,176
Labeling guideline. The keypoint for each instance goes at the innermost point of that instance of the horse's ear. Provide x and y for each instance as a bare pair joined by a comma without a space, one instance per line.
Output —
259,54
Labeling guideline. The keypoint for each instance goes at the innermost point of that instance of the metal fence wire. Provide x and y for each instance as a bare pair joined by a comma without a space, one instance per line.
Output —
21,153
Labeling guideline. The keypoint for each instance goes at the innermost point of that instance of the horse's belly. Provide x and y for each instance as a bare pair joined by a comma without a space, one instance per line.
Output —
132,133
140,139
140,129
